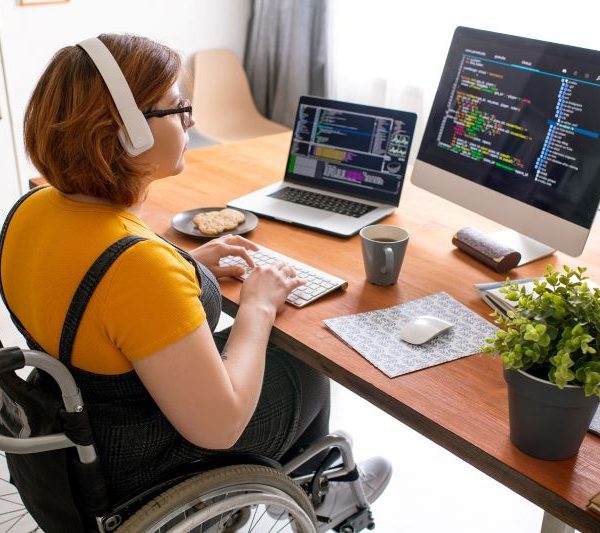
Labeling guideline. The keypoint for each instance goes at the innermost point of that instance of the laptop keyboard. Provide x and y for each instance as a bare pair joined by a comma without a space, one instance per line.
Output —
318,283
322,201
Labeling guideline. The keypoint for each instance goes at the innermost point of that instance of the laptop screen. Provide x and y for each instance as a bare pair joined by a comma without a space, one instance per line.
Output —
351,149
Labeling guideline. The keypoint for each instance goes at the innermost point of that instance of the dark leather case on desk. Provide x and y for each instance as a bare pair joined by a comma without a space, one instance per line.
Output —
485,249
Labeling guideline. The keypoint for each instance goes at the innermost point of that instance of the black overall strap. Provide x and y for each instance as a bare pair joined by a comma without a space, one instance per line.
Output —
30,341
84,292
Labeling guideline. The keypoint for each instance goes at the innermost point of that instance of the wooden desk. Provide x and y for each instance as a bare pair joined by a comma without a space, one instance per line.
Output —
460,405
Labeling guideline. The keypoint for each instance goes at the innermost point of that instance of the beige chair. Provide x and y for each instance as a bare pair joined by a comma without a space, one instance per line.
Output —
223,106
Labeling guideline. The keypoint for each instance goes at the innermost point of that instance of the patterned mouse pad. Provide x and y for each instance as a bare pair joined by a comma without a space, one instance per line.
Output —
375,334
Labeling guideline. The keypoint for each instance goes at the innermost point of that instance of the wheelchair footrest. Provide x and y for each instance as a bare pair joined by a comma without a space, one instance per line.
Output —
363,519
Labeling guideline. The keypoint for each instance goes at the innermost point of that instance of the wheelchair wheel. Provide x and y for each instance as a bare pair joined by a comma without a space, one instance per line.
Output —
241,498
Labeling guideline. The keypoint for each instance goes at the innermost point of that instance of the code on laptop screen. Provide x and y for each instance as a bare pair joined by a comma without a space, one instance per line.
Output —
351,148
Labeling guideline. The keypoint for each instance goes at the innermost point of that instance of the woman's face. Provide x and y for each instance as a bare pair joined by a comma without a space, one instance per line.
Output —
170,138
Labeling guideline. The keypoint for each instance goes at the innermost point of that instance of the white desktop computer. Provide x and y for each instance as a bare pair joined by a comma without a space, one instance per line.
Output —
514,134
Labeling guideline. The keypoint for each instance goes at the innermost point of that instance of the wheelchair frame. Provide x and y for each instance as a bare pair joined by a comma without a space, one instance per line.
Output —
15,358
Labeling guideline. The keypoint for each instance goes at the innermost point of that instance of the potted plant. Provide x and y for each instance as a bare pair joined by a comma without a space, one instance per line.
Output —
550,347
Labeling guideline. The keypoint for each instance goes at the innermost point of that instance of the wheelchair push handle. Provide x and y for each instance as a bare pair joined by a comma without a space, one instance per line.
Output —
11,359
15,358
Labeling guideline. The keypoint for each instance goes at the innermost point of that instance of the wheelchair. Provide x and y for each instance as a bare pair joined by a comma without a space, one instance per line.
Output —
242,493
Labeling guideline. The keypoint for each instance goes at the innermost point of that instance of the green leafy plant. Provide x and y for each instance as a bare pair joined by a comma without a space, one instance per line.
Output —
554,331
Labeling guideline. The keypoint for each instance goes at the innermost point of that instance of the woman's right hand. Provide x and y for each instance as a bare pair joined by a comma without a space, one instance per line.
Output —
268,286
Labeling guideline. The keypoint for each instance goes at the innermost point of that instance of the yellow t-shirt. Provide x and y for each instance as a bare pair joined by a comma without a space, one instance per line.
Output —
147,300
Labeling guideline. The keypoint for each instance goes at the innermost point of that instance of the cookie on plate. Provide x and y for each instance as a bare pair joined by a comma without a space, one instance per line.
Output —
233,214
210,222
215,222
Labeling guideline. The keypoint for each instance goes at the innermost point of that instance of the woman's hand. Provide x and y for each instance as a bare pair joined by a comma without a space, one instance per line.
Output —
267,287
210,253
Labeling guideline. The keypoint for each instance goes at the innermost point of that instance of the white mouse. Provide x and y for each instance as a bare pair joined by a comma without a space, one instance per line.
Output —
421,329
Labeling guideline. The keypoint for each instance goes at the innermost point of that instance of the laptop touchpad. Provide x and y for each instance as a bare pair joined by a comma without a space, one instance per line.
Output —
297,213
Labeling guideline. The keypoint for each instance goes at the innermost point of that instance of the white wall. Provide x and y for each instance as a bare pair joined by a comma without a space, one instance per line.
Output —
9,182
30,36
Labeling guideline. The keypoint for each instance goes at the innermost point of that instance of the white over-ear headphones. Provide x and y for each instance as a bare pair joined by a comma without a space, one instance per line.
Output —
135,136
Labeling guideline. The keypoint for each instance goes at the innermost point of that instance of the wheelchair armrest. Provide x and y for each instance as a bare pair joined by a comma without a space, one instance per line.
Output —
45,443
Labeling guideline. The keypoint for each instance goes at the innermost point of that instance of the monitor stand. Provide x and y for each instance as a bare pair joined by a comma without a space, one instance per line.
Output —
529,249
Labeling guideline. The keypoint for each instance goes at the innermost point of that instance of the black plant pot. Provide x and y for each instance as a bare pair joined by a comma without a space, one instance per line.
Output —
547,422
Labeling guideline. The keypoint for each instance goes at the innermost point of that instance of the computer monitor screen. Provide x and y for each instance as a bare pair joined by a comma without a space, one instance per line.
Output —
514,134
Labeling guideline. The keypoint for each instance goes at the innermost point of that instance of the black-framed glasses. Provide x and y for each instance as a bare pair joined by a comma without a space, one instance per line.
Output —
184,108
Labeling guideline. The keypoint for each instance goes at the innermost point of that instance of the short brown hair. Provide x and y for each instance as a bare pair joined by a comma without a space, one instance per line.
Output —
71,121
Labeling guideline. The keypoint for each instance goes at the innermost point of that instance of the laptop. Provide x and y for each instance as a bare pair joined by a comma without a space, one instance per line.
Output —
345,167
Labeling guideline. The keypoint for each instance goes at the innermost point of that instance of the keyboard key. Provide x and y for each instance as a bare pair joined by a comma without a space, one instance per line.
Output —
318,283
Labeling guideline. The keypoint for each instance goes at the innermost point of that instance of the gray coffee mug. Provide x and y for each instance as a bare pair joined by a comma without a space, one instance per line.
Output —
383,248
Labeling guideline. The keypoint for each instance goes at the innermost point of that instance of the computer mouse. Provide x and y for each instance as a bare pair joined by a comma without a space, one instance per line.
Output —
421,329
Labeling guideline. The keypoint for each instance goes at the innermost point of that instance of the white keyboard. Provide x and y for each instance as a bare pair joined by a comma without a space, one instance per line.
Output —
317,284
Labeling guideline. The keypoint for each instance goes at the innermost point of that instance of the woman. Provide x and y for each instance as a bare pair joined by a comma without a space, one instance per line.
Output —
162,390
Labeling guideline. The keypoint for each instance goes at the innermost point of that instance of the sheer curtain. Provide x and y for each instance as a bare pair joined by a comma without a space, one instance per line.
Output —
391,53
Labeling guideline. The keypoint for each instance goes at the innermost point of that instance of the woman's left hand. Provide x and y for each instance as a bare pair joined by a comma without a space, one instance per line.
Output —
210,253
